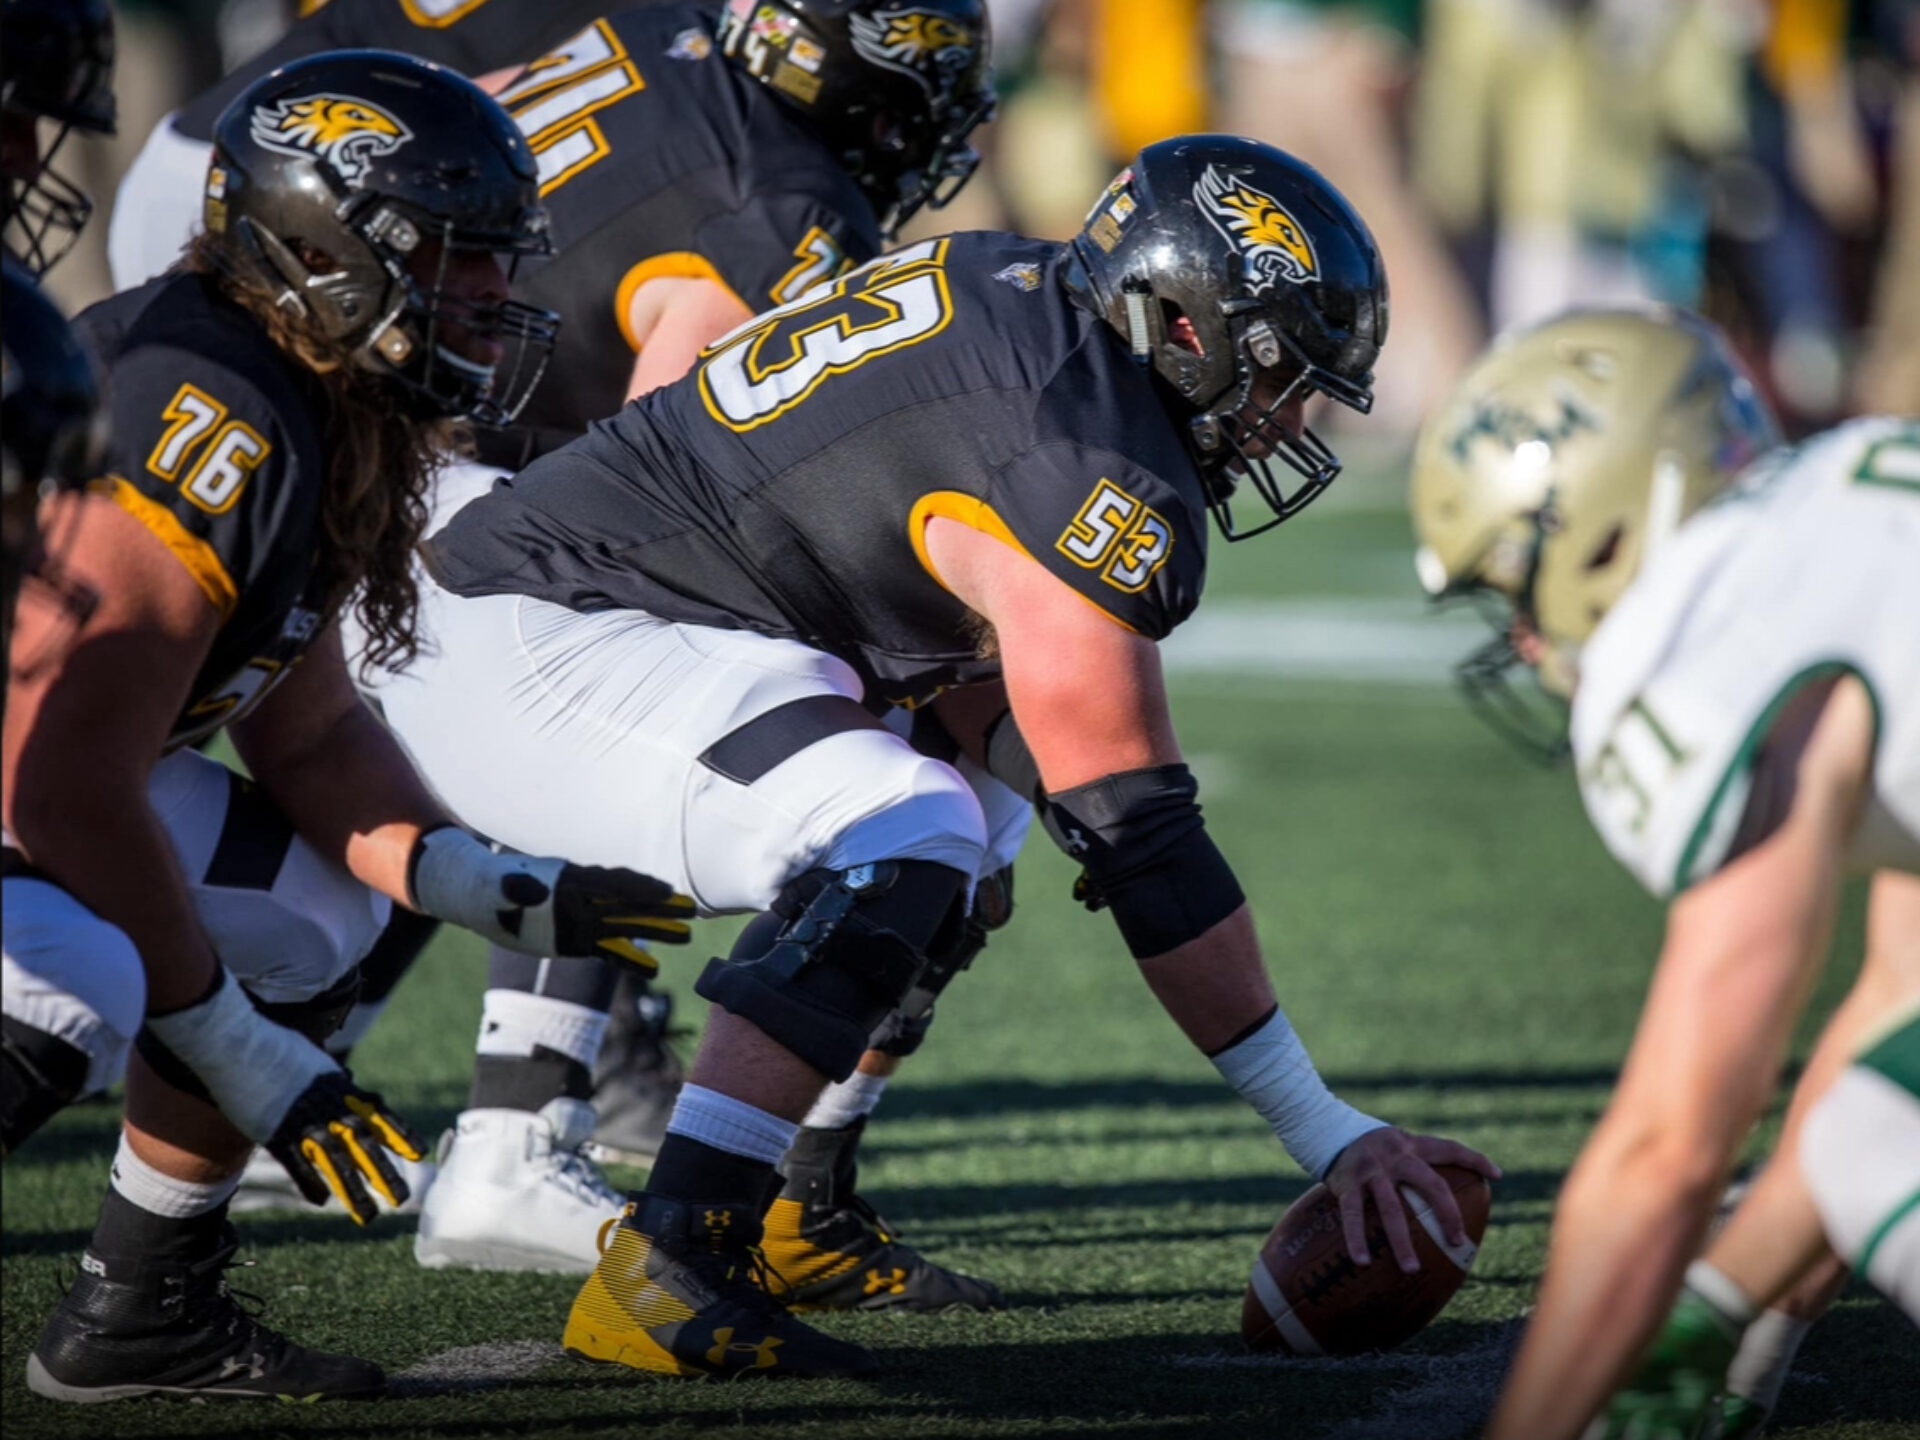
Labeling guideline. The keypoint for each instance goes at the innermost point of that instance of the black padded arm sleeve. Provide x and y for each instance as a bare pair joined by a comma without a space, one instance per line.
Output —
1148,855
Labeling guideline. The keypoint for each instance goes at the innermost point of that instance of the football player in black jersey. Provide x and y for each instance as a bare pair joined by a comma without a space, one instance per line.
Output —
157,209
278,405
56,65
975,475
695,174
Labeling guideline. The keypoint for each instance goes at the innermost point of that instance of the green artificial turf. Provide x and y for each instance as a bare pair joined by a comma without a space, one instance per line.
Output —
1458,950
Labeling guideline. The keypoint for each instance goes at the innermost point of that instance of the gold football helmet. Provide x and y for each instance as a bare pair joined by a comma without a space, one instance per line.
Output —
1559,464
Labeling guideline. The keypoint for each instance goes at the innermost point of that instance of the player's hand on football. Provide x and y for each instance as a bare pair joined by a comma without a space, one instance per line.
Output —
1374,1167
546,906
334,1140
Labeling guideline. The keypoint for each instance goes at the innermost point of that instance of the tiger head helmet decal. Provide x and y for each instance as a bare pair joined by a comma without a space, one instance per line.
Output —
917,42
346,132
1275,245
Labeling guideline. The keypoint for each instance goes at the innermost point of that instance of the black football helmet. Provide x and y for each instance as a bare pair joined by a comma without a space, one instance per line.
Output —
56,64
53,432
894,86
330,173
1246,282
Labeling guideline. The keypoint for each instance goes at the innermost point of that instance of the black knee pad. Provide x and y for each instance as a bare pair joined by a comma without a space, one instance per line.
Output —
316,1017
850,946
901,1033
41,1075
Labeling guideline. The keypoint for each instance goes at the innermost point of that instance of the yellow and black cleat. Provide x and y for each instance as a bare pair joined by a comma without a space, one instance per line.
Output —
678,1291
827,1249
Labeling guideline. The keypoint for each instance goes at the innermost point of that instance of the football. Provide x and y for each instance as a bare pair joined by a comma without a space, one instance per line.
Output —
1307,1297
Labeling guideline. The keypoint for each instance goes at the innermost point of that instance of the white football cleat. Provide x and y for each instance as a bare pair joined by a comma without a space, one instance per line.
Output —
515,1193
265,1185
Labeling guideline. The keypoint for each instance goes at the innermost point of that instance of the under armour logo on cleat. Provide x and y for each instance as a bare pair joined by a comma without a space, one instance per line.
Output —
762,1351
894,1282
233,1365
719,1219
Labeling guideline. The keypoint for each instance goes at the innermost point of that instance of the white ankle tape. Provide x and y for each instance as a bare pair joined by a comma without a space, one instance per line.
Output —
160,1194
1272,1072
1719,1290
846,1101
512,1022
731,1125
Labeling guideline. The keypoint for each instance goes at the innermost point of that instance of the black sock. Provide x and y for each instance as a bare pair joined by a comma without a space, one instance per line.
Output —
822,1165
688,1169
125,1233
516,1082
527,1082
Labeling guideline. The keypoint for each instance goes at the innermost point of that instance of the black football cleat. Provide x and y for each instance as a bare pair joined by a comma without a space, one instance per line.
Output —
828,1249
131,1328
677,1292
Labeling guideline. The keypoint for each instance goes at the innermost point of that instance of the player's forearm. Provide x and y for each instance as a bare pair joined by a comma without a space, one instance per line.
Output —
353,794
1629,1221
92,830
1216,985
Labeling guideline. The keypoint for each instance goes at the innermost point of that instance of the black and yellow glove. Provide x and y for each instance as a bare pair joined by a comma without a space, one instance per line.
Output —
334,1140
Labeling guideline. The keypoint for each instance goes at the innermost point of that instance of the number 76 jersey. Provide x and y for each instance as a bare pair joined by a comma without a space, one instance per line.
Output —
1806,568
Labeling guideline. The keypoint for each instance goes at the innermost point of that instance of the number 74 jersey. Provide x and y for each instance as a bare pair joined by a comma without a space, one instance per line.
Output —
1807,568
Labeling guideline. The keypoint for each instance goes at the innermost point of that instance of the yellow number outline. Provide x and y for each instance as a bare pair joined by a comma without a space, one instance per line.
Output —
868,278
182,419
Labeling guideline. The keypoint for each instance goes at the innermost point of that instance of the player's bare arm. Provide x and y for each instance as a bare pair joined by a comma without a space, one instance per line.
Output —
337,772
671,320
84,729
1741,950
1091,703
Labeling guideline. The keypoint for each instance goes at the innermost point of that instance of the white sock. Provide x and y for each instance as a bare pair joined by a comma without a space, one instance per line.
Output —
512,1022
1760,1367
140,1184
731,1125
846,1101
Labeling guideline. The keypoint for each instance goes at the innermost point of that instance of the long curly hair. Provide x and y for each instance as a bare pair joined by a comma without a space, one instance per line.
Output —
381,463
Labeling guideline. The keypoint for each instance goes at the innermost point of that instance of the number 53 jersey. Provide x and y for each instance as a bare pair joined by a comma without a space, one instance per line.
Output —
785,485
1806,568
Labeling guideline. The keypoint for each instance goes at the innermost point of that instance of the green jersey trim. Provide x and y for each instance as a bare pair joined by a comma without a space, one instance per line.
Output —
1886,1227
1743,760
1897,1057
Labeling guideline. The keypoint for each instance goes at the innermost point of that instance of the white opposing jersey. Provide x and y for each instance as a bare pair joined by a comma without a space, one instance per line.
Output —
1808,566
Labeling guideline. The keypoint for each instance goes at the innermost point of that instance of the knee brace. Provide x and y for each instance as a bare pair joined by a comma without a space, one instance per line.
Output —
316,1017
905,1027
852,945
42,1075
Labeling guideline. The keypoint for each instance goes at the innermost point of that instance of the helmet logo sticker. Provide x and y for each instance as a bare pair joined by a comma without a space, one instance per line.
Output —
913,42
1274,244
346,132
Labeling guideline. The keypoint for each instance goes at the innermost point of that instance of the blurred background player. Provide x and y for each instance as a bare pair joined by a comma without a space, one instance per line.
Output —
1736,628
979,476
278,405
724,171
157,209
56,70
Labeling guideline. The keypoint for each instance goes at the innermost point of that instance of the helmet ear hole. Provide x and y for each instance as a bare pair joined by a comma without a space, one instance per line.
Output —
1605,552
1180,329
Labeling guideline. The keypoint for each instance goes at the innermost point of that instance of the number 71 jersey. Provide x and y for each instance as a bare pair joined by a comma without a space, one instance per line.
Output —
785,486
1806,568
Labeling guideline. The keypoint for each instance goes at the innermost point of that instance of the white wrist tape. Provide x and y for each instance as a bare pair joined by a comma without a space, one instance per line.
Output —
456,877
1271,1071
254,1069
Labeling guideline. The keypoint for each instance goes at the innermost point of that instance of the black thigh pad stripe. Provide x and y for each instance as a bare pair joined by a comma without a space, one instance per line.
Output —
254,840
745,754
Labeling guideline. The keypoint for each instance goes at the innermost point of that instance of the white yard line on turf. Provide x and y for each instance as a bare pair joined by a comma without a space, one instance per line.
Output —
1380,640
474,1367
